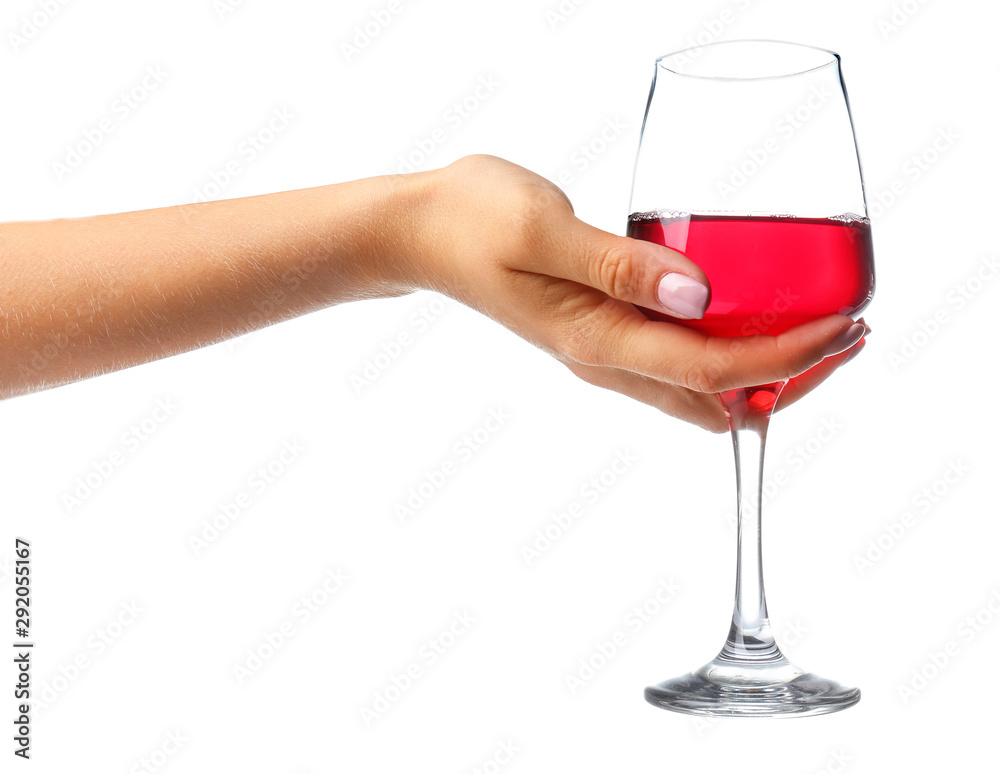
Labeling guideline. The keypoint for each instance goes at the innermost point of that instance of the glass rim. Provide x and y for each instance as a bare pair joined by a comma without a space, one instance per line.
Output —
833,58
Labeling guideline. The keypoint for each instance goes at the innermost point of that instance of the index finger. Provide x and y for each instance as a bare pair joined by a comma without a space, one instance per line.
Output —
627,339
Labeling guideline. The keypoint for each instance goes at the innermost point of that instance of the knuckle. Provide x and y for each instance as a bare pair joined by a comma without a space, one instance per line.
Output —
791,362
582,337
601,330
715,370
615,272
703,377
578,345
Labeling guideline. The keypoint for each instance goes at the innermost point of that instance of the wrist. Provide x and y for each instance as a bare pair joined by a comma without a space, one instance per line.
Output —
403,237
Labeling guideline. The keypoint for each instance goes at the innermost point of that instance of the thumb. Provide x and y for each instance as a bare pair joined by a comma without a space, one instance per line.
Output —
632,270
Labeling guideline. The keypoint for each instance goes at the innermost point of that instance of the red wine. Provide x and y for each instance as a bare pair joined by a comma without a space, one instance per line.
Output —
768,273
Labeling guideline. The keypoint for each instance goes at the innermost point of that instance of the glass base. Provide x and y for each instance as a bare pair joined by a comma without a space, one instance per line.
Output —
727,689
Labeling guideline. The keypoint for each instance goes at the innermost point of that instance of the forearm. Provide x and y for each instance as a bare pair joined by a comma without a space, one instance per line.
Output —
85,296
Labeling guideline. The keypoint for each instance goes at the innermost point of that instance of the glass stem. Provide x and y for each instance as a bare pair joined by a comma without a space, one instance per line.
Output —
750,638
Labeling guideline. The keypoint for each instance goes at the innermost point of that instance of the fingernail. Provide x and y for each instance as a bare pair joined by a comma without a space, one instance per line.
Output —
845,340
681,296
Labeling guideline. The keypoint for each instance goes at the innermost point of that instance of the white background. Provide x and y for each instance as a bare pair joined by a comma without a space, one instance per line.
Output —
902,421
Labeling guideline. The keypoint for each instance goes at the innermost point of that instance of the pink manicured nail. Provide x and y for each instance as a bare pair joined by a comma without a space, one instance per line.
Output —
845,340
681,296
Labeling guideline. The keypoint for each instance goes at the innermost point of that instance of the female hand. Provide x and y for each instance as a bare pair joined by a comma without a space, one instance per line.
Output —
91,295
506,242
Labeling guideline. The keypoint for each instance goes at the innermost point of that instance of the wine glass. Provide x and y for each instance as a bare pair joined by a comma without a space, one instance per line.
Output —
747,164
